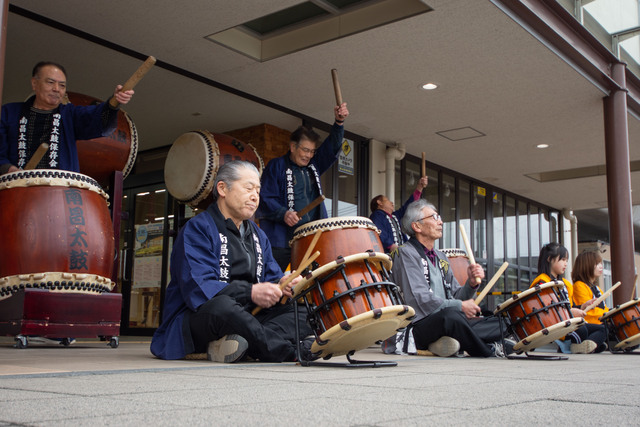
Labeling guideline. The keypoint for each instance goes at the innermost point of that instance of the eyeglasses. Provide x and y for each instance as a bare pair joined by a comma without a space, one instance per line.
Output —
306,150
435,216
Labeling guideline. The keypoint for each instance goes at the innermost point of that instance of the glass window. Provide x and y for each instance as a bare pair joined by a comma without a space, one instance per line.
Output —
511,233
479,243
498,229
448,212
523,234
431,192
464,213
326,180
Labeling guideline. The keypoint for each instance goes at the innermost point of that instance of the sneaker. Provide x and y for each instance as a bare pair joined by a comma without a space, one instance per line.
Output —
228,349
585,347
305,350
508,346
444,347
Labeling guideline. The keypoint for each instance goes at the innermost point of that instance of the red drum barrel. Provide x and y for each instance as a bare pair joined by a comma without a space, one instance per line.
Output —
193,162
539,316
341,236
100,157
459,262
57,233
624,323
349,298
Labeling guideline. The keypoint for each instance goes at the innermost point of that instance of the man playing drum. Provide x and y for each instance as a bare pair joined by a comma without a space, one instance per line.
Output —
388,220
291,182
221,269
446,316
43,119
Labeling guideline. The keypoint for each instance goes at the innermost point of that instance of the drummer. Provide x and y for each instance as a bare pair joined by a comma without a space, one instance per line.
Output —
587,269
221,269
388,220
292,181
552,264
44,119
446,318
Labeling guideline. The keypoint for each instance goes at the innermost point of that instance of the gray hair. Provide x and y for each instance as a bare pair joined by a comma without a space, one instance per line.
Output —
230,173
413,214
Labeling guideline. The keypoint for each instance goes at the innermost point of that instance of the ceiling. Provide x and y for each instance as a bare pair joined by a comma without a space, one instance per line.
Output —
493,76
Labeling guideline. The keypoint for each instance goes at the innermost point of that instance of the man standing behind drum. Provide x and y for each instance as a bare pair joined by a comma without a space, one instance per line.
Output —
44,119
221,269
446,316
292,181
388,220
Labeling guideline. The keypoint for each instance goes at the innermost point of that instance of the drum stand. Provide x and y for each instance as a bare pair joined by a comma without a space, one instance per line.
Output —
611,343
351,364
526,354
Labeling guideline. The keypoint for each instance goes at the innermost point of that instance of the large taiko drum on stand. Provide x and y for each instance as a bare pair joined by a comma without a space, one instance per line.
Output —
57,241
349,299
193,162
100,157
623,323
538,316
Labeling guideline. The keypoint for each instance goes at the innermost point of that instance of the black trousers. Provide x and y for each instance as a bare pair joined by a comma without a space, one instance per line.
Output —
474,335
282,257
270,333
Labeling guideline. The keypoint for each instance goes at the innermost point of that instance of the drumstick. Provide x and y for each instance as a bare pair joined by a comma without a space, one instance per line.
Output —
492,282
292,276
424,165
310,206
601,297
472,260
311,246
35,159
336,86
135,78
635,285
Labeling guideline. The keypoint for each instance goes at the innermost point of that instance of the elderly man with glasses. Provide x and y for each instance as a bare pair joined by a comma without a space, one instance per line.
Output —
292,181
447,318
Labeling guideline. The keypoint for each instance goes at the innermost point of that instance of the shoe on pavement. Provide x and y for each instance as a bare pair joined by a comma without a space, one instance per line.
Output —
585,347
228,349
444,347
305,350
500,350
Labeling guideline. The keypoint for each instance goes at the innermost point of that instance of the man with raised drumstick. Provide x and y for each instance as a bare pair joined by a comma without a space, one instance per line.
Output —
221,269
43,119
388,220
446,315
291,182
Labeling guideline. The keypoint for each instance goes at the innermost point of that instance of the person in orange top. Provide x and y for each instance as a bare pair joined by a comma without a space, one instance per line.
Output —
587,269
552,264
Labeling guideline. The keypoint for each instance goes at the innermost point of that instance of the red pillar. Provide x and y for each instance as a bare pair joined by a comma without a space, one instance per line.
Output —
616,137
4,11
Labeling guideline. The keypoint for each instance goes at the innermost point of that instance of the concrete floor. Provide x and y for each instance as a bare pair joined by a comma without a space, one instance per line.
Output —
89,383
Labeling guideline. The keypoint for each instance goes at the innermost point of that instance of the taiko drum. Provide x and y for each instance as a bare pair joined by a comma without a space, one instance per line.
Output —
57,232
624,323
193,162
100,157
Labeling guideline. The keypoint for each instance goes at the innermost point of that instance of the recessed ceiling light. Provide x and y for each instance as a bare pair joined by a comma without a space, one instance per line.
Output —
429,86
542,146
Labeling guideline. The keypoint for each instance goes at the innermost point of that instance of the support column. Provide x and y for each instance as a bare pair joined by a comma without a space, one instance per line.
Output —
4,13
619,200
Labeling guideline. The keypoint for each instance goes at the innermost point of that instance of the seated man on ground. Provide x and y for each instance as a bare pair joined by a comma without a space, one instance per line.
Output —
446,318
221,269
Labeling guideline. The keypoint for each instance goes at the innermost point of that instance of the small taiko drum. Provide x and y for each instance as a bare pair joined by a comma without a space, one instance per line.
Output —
459,262
623,322
100,157
193,162
340,236
349,299
57,233
538,316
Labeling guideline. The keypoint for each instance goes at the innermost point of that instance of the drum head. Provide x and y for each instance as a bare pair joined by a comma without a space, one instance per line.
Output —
524,294
363,330
618,309
629,342
329,224
191,167
548,335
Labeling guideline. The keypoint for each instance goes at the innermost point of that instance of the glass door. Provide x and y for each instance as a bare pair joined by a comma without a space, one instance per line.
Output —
145,247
